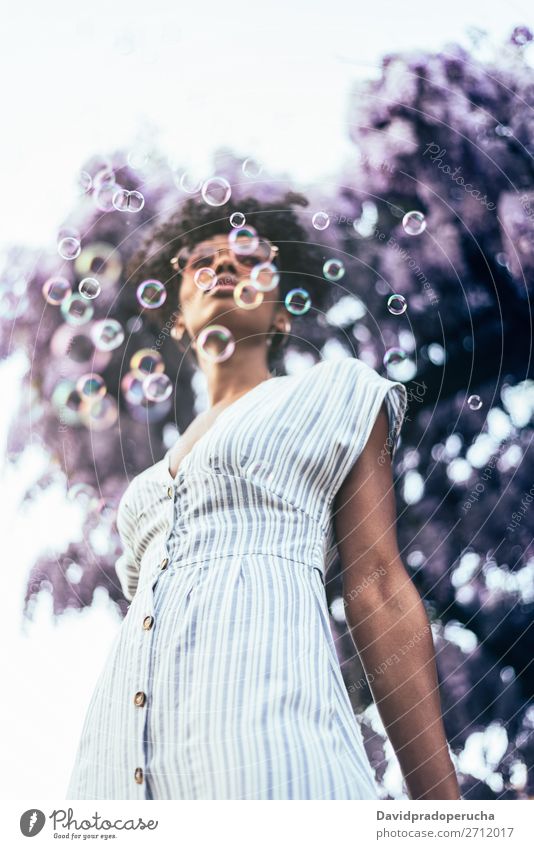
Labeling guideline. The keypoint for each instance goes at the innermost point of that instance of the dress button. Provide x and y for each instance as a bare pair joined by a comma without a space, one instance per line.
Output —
164,563
140,698
170,491
148,621
139,775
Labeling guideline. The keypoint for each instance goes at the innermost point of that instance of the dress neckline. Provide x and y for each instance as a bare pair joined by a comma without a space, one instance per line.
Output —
246,395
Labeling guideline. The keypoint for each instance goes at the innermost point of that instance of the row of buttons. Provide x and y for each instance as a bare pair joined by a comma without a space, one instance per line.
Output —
148,622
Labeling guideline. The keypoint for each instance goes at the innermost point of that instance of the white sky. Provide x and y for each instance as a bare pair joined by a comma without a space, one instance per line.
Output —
269,80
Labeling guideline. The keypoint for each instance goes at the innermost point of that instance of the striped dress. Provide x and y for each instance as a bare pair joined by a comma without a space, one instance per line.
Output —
223,681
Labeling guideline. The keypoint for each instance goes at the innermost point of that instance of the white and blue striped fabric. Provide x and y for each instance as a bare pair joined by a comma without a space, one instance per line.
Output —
223,682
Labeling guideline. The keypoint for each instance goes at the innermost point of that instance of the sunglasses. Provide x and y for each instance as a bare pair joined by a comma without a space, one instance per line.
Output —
206,255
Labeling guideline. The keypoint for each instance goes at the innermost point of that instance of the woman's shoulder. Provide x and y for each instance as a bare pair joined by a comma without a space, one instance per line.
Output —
341,372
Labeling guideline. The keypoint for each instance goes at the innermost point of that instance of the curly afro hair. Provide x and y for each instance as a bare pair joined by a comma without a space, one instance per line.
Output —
299,260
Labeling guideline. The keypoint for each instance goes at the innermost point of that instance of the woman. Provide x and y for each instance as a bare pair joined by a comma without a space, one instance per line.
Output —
224,682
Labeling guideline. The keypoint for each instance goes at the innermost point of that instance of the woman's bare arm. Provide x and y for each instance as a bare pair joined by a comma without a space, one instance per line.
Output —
388,622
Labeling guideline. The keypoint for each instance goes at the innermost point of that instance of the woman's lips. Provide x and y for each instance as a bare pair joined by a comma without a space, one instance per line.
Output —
224,285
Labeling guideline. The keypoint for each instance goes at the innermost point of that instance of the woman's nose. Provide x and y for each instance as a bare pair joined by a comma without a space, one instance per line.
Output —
224,260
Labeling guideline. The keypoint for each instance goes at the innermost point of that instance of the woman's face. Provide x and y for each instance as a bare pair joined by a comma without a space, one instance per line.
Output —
201,306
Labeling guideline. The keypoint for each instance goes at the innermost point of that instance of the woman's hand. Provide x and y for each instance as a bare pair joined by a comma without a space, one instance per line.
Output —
389,624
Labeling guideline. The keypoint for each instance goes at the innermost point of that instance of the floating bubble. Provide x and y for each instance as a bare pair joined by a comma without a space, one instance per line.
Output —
89,288
148,412
216,343
126,201
91,386
84,182
81,493
134,324
243,241
216,191
394,357
521,35
147,361
56,289
101,414
107,334
205,278
151,294
138,159
190,183
251,168
237,219
265,252
414,223
297,301
105,178
474,402
265,276
132,387
321,220
76,310
333,270
69,248
100,259
76,346
247,296
103,197
157,387
67,402
13,297
397,304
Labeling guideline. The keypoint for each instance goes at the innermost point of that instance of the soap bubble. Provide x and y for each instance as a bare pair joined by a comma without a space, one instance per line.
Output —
107,334
147,361
205,278
216,191
333,270
216,343
297,301
89,288
157,387
247,296
84,182
132,387
265,276
56,289
69,248
100,259
101,414
397,304
190,183
126,201
251,168
243,241
474,402
76,310
237,219
414,223
91,386
151,294
321,220
394,357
